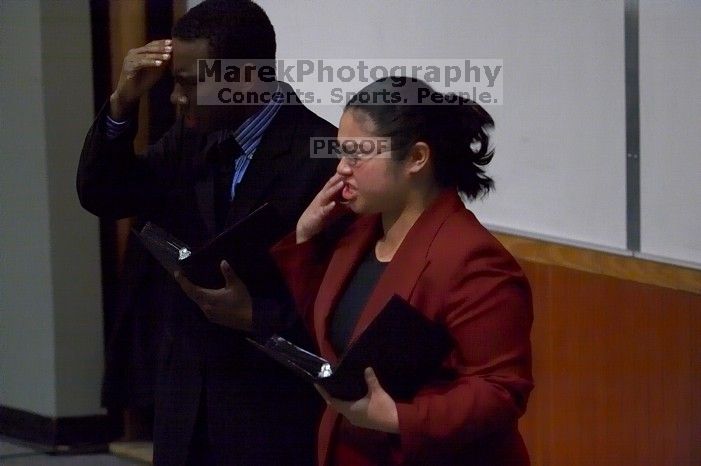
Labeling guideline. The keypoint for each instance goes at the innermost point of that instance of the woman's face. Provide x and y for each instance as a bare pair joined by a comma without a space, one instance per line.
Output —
372,183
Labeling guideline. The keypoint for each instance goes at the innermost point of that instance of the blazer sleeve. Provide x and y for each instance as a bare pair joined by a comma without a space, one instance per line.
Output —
488,310
303,267
112,181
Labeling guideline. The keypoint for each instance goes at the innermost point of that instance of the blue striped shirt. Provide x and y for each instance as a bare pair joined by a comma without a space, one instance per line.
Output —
249,135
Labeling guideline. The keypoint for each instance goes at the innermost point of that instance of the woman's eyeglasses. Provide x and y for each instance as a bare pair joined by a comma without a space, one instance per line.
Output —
359,150
355,158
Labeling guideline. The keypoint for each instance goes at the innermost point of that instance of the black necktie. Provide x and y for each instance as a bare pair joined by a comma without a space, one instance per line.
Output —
226,154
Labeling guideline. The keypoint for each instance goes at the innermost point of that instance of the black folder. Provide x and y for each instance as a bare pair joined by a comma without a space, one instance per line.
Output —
244,246
404,348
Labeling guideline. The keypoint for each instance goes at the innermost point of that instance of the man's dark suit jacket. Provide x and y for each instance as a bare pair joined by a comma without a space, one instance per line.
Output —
254,411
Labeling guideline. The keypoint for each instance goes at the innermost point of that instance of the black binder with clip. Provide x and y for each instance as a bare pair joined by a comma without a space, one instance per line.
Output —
404,348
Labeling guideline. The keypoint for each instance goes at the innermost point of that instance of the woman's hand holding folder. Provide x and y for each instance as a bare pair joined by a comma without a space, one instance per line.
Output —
229,306
377,410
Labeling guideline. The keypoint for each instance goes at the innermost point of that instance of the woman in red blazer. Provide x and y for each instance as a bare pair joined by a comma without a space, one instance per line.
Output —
412,236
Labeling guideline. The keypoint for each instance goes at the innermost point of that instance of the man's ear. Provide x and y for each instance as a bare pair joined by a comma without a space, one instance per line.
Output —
418,157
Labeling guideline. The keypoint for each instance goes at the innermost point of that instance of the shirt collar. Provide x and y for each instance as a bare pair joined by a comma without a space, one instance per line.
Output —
252,128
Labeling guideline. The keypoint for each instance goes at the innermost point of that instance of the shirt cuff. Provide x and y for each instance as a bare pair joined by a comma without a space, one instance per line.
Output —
114,128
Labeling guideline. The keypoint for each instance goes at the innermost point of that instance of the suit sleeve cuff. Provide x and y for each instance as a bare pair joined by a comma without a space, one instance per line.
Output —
290,256
114,128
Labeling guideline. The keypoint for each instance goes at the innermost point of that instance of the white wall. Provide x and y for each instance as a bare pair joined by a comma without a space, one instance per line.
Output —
670,129
27,375
560,133
51,350
562,179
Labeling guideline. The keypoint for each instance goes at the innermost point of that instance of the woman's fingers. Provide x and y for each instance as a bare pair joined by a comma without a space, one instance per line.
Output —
331,187
371,380
332,181
328,208
329,194
315,216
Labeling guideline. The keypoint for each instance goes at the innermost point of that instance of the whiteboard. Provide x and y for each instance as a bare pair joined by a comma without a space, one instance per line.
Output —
560,133
670,130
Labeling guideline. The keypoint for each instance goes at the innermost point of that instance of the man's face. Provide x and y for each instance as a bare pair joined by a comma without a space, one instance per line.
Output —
204,118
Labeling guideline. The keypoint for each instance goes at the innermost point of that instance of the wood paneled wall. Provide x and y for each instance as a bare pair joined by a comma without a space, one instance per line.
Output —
617,364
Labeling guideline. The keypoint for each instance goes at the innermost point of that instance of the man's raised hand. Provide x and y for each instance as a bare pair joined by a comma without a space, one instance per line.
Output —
141,69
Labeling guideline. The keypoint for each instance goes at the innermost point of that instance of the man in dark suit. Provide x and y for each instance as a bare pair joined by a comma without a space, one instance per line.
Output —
217,400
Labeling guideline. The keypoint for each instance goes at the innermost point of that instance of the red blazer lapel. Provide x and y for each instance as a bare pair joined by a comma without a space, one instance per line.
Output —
410,260
401,274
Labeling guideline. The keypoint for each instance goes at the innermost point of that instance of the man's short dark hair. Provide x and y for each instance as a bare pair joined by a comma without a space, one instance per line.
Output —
234,29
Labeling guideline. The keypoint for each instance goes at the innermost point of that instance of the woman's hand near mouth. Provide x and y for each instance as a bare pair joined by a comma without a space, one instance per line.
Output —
321,210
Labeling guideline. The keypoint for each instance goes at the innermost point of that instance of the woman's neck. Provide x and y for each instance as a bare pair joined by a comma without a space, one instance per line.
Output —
396,224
